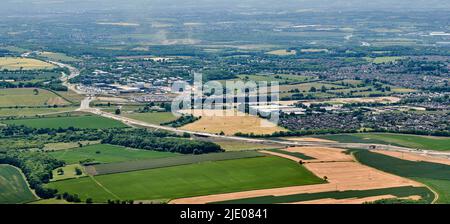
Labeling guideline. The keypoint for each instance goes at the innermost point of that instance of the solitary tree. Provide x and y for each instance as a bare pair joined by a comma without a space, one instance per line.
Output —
78,171
60,171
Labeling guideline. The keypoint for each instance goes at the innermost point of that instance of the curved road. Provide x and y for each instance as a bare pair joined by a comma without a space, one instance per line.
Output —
74,72
85,107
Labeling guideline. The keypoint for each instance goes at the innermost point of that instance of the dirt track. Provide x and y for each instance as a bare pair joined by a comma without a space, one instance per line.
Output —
323,154
281,155
342,173
413,157
306,139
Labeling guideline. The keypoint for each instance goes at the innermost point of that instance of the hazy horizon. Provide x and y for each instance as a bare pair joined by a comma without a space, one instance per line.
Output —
21,7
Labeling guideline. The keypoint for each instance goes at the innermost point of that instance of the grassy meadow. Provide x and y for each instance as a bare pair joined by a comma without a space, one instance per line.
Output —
69,172
13,187
32,112
155,163
381,60
103,153
282,52
13,63
434,175
29,97
152,117
281,78
58,57
87,122
191,180
230,145
55,146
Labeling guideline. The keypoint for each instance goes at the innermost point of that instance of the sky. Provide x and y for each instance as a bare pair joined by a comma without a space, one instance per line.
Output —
131,6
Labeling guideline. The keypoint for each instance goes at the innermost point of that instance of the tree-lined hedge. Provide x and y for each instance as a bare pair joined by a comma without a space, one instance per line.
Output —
169,144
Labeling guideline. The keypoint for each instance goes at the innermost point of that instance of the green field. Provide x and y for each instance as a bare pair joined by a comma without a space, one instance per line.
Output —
14,49
152,118
107,154
348,82
410,141
434,175
307,86
28,97
17,63
155,163
13,187
400,192
31,112
30,77
58,57
281,78
71,96
337,89
89,122
380,60
67,145
294,154
282,52
230,145
125,109
69,172
191,180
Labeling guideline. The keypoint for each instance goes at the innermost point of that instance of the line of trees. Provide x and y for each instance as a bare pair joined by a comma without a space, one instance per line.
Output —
134,138
181,121
55,85
150,142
